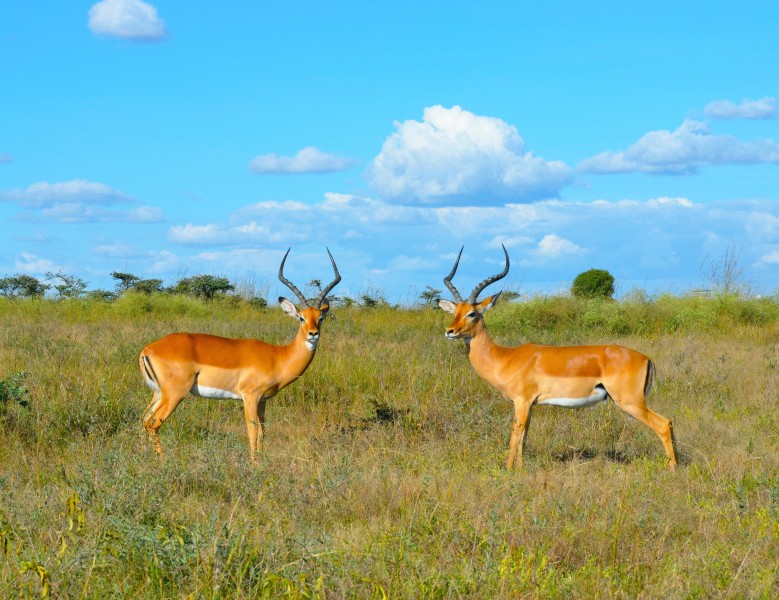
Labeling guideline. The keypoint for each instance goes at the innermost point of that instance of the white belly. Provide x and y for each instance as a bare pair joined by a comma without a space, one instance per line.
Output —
598,395
210,392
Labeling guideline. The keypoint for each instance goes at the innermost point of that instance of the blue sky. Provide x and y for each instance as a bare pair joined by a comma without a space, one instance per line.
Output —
171,138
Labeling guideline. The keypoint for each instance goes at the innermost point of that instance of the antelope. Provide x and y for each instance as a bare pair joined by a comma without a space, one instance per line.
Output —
567,376
251,370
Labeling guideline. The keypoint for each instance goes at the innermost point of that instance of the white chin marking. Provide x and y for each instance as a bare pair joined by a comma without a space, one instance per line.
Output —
311,345
599,395
209,392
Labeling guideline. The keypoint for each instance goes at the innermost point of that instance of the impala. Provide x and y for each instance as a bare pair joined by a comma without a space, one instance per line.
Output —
243,369
571,377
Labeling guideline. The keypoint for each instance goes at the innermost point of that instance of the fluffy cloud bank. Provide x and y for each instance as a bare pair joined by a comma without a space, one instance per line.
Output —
765,108
128,19
77,201
682,151
46,195
460,156
658,244
307,160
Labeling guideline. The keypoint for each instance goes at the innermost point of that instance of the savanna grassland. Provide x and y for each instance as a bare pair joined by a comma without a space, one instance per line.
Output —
382,473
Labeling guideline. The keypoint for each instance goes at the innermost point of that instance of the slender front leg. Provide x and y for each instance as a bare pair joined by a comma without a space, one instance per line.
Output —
518,433
250,407
261,421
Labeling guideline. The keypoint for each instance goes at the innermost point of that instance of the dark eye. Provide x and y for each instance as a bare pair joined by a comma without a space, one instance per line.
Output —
302,320
471,314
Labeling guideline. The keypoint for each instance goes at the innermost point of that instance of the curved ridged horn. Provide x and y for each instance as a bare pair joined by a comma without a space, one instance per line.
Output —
332,284
478,289
448,278
288,283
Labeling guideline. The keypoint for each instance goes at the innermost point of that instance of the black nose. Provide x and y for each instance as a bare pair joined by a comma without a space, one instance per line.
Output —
449,331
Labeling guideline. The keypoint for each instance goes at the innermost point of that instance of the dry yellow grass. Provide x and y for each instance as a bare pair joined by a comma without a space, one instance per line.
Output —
383,465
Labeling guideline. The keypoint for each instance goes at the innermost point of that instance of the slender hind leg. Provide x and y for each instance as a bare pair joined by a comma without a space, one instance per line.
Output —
151,407
637,408
162,405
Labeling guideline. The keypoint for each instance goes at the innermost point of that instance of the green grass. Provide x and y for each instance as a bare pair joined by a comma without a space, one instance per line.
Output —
382,471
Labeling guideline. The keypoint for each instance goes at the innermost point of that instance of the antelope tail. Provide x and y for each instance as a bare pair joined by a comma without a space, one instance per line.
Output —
149,375
650,378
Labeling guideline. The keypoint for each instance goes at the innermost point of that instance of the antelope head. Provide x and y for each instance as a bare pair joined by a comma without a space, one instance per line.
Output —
468,314
311,315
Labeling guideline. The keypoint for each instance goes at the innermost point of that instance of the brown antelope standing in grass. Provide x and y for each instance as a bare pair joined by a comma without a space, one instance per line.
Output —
571,377
243,369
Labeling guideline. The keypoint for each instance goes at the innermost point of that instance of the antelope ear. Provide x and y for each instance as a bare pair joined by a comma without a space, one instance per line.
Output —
487,303
324,308
447,305
289,307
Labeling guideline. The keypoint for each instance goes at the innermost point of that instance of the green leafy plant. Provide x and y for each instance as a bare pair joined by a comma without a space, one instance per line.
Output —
12,390
595,283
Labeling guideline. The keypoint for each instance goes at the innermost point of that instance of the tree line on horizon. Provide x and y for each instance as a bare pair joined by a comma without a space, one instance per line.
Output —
69,286
595,283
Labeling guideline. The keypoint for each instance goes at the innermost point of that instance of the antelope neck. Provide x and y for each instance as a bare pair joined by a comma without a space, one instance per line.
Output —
482,351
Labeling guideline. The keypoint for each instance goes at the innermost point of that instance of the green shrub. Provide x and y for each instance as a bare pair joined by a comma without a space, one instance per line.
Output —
595,283
203,286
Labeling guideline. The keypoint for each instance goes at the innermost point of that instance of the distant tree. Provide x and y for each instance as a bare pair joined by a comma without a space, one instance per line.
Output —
203,286
124,281
373,297
369,301
344,301
105,295
595,283
69,286
509,295
313,289
430,296
147,286
258,302
22,286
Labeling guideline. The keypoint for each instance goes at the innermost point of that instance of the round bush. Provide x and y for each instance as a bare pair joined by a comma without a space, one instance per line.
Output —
595,283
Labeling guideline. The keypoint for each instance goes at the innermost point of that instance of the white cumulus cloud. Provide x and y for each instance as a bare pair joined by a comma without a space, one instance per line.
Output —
307,160
31,263
77,201
772,258
682,151
44,194
145,214
128,19
552,246
765,108
117,250
457,155
197,234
